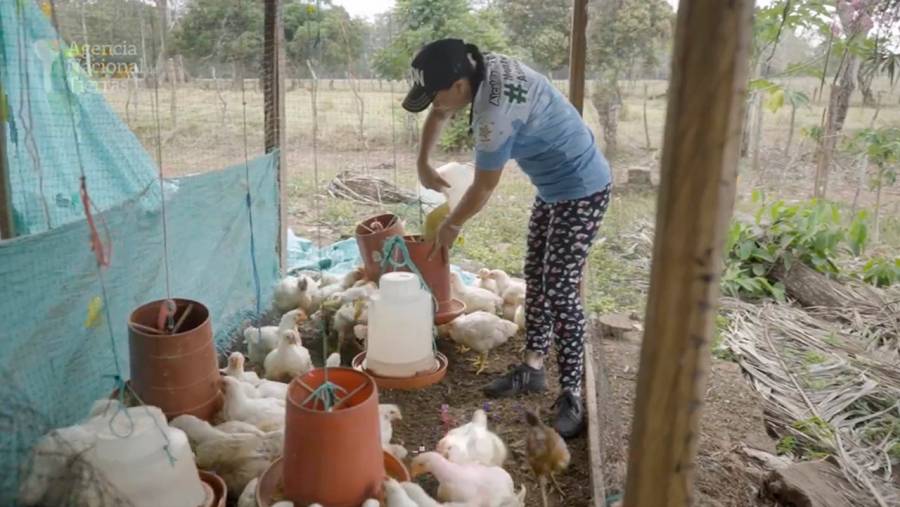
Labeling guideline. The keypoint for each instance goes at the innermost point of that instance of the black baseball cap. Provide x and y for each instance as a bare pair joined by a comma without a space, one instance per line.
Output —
436,67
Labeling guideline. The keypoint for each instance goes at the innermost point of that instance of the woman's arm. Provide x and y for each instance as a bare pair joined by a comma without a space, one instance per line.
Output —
472,202
434,124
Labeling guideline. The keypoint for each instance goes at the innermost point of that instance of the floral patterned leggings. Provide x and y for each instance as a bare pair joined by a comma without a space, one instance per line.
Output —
560,236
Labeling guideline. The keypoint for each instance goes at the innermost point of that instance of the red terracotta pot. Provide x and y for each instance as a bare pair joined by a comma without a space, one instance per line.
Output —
436,273
333,458
371,237
178,372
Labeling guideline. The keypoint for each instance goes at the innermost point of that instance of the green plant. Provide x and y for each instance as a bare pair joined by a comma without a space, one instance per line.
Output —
786,445
815,428
881,272
812,233
456,136
813,357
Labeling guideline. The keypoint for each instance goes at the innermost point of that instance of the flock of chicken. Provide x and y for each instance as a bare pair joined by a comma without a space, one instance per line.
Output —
248,433
495,312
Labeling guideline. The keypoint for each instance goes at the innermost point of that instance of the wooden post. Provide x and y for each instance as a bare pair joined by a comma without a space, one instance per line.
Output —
273,74
696,197
173,87
7,224
577,53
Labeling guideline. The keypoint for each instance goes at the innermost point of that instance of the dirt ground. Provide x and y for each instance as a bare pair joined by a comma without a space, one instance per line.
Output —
732,416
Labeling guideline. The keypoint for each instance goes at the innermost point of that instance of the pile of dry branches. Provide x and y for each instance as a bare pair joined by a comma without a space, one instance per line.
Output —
831,383
367,190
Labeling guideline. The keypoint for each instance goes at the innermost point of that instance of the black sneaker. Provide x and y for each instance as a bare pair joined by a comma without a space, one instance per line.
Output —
569,415
518,380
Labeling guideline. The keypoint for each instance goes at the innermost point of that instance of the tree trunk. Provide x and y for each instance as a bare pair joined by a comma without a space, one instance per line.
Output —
219,95
863,164
879,183
173,86
237,75
757,134
162,7
815,290
838,105
787,146
865,77
646,128
606,101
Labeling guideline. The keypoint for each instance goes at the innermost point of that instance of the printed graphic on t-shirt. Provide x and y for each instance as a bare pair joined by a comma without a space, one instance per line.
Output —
519,114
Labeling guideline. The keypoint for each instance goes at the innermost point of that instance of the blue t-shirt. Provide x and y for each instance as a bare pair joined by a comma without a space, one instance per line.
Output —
517,113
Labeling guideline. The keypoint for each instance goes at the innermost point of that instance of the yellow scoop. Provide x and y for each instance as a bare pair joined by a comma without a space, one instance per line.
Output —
433,220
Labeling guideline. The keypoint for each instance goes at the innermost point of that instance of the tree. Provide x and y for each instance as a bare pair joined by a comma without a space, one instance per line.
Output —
882,148
540,30
223,31
417,22
326,35
624,33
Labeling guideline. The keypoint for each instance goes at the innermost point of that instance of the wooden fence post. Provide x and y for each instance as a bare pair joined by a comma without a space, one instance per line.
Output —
696,197
577,53
273,74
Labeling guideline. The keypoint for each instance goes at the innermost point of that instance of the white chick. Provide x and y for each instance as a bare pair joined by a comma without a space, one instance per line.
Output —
273,389
396,495
485,281
371,502
478,484
284,503
266,414
362,291
480,331
396,450
519,318
348,316
327,279
290,359
287,292
361,332
197,430
352,277
235,369
473,442
239,427
241,457
476,299
388,413
421,498
512,299
248,496
334,360
504,281
262,340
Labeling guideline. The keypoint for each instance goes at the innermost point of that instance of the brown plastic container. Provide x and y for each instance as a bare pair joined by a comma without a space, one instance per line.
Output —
269,489
218,487
371,237
333,458
178,372
420,380
436,273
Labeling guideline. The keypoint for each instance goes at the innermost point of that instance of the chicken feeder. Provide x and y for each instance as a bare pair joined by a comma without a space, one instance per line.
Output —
435,270
332,454
370,237
174,365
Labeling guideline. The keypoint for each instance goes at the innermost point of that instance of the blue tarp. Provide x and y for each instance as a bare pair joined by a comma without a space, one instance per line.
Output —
56,344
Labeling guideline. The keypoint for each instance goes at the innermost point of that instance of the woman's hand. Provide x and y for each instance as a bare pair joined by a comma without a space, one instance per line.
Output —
429,178
446,236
